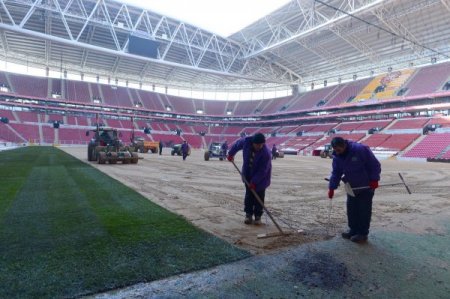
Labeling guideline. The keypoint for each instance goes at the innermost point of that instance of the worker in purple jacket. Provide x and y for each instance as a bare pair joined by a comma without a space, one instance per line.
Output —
360,168
257,169
185,150
224,149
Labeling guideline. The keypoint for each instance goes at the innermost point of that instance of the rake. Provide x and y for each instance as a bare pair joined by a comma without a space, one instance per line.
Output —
266,235
350,191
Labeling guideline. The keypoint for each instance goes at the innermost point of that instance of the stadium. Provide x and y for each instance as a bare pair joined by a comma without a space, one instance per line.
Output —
375,72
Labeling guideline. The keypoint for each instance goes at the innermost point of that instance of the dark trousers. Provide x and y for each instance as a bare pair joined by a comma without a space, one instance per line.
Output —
160,151
252,206
184,156
359,212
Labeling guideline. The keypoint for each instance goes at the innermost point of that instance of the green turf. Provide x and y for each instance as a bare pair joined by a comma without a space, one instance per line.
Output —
66,230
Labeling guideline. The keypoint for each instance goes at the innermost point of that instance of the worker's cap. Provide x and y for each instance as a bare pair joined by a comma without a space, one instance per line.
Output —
337,142
258,138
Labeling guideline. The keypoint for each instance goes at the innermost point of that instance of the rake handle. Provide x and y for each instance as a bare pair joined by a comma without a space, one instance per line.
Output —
384,185
258,198
404,183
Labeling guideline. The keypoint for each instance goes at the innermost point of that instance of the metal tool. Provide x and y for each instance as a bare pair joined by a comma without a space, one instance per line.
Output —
351,191
330,206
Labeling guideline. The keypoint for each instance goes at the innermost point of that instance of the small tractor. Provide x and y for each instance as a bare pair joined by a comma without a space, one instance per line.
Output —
214,151
327,151
140,145
176,150
105,146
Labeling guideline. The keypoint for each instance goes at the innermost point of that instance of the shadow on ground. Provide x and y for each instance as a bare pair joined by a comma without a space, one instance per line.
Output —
391,265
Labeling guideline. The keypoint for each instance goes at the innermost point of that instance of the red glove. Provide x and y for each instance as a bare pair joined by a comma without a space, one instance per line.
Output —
373,185
330,193
252,186
230,158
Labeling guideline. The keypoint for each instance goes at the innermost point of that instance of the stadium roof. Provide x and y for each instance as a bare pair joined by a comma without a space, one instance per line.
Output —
303,41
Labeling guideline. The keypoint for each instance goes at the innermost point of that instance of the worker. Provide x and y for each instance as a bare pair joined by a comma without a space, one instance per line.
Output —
274,152
256,170
360,168
185,149
224,148
160,147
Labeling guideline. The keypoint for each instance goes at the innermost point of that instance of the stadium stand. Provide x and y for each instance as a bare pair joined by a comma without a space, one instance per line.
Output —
327,139
246,107
27,132
276,105
310,99
215,107
181,105
413,123
428,79
77,91
29,86
376,140
397,142
8,114
391,84
430,147
347,92
149,100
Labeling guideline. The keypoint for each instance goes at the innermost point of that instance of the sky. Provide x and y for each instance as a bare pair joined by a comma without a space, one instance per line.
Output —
222,17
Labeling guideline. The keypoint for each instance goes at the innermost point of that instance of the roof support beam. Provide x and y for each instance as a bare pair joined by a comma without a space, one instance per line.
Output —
132,56
446,4
313,22
396,26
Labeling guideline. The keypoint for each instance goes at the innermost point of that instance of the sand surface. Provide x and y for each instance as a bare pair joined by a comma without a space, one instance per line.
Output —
210,195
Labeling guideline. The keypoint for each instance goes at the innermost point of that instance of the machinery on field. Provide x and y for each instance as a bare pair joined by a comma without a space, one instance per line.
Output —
138,144
214,151
176,150
105,146
327,151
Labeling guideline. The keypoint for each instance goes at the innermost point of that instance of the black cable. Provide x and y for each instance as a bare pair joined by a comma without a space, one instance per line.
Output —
383,29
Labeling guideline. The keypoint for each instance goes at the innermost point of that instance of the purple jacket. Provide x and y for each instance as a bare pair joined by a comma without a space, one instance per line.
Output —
261,171
359,165
185,148
224,147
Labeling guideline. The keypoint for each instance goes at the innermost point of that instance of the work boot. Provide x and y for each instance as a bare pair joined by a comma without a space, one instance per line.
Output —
348,235
359,239
248,219
257,220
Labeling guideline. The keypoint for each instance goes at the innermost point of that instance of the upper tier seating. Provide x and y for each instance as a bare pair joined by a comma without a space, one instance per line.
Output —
347,91
428,79
310,99
215,107
29,86
182,105
77,91
149,100
246,107
276,105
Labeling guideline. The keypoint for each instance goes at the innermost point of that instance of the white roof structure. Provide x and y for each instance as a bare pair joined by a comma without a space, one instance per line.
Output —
303,41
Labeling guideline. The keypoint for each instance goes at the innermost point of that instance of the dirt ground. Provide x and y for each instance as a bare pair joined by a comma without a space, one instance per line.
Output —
210,195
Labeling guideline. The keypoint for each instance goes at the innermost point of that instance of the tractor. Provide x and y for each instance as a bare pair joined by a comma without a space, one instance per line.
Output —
105,146
214,151
138,144
327,151
176,150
